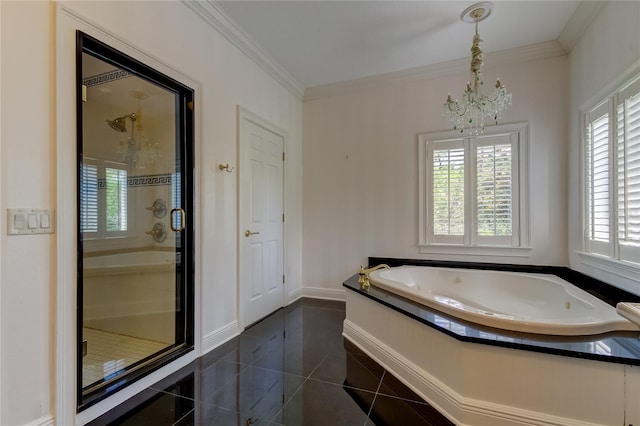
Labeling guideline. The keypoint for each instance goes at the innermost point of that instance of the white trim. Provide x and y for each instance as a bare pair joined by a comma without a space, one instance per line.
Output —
584,15
439,395
130,391
324,293
65,384
67,22
475,250
604,257
294,295
620,268
219,336
606,91
43,421
2,220
548,49
218,20
430,244
450,379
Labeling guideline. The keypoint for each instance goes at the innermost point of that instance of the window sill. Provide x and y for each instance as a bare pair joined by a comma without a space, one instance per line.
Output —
475,250
623,269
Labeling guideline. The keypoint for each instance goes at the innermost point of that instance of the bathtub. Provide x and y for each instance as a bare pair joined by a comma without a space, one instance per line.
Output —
126,263
523,302
131,293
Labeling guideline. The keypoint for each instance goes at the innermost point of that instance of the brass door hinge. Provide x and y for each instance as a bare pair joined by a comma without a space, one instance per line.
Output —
283,279
283,217
282,155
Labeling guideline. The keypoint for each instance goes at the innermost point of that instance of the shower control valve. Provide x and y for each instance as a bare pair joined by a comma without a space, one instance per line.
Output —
158,232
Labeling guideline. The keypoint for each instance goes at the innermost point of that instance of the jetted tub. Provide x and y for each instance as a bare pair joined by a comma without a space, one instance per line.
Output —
131,262
530,303
131,293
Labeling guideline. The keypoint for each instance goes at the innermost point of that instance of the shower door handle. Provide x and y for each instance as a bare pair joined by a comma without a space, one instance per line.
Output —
180,227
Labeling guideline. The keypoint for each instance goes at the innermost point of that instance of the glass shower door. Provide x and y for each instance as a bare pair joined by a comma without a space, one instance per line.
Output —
135,288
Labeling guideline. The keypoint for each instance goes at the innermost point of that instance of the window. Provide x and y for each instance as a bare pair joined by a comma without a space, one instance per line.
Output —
448,191
612,175
176,199
89,197
472,190
116,199
103,199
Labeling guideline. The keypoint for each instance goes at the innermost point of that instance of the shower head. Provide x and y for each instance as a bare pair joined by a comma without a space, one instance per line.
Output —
120,124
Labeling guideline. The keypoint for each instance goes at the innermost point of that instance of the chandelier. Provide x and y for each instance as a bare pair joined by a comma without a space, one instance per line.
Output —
137,150
470,113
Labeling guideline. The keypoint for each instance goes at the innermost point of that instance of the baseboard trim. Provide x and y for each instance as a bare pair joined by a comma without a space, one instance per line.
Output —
43,421
212,340
448,402
294,295
324,293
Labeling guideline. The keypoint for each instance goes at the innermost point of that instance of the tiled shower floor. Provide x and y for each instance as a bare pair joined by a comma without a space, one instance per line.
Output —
109,353
292,368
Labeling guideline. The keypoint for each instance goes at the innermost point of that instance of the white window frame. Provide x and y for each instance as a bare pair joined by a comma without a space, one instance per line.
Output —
613,256
471,244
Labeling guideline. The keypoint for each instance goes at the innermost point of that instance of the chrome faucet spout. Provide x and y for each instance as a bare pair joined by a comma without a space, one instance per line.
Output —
363,278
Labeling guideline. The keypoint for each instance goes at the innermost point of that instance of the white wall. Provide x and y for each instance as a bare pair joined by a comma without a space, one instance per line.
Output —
174,35
360,161
608,49
28,168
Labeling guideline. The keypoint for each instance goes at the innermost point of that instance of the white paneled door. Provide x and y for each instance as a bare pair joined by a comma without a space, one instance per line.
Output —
261,262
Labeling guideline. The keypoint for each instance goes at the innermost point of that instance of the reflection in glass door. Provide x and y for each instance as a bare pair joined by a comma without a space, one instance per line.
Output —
135,284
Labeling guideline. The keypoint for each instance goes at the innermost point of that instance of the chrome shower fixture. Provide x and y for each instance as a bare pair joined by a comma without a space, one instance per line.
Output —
120,124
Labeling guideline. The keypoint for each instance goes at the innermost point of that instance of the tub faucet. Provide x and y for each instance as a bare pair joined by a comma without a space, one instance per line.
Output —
363,278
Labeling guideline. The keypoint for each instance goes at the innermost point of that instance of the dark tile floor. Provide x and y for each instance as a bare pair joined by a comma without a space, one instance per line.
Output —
292,368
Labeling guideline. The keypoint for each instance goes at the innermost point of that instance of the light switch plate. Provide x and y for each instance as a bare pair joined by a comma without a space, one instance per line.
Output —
30,221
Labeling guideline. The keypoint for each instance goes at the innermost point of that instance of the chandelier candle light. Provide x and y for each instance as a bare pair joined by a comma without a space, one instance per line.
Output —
471,112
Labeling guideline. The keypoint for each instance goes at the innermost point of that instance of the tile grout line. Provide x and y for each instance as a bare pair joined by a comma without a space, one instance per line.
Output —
174,394
375,396
272,420
324,316
306,379
193,410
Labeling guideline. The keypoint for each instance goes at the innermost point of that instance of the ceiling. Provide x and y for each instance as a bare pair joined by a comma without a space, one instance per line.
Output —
323,42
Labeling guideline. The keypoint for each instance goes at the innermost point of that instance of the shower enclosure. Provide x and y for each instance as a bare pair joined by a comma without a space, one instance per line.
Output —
135,220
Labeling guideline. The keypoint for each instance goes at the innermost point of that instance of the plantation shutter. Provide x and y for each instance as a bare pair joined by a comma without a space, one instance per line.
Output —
494,187
89,198
176,197
628,172
116,199
597,180
448,184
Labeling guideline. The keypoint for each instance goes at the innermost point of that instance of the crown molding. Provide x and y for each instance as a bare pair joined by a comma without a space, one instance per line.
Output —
219,21
531,52
584,15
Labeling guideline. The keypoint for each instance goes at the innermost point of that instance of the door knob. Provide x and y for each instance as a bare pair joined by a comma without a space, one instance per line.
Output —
247,233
